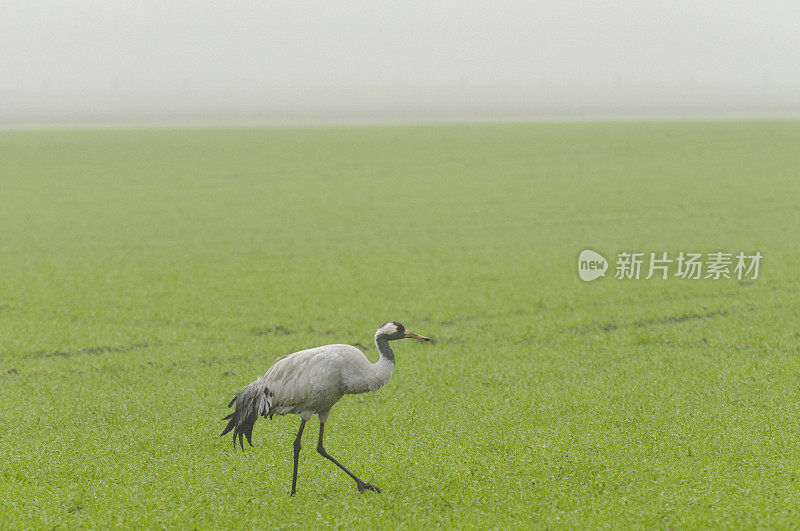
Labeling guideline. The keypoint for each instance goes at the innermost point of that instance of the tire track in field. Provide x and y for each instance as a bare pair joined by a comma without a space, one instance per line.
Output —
89,350
668,319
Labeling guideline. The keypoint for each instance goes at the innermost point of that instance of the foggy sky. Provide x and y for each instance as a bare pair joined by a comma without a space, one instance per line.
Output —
106,61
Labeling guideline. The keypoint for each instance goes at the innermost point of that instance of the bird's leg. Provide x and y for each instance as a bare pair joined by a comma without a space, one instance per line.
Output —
362,485
297,455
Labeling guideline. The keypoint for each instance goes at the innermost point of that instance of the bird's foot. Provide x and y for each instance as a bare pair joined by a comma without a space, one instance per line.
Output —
363,485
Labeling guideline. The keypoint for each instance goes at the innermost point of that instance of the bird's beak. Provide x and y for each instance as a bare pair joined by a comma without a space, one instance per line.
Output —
412,335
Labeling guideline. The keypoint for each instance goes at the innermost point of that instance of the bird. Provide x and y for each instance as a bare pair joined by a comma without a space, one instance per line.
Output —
309,382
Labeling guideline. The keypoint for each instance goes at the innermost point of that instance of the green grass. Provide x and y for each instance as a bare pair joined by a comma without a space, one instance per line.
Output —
146,276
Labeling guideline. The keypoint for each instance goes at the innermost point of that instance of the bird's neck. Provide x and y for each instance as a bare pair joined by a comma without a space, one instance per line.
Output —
383,347
385,366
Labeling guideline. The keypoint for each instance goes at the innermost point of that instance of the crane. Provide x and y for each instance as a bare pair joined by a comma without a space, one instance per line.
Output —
309,382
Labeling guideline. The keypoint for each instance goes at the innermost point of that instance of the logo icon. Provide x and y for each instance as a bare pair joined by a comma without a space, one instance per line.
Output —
591,265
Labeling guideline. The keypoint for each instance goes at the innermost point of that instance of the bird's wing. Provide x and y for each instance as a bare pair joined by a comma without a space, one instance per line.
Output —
313,375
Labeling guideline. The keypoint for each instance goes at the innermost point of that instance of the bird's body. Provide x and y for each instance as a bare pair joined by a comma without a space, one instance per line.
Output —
309,382
312,381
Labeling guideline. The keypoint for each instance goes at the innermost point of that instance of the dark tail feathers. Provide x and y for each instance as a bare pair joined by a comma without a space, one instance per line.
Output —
252,401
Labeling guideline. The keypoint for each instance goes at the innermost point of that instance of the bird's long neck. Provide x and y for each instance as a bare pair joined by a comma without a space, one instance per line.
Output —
385,366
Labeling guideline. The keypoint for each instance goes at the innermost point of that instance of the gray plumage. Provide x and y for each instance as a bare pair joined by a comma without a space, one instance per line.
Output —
310,382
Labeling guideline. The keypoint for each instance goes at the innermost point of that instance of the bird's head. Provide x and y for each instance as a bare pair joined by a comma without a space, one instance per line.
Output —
393,330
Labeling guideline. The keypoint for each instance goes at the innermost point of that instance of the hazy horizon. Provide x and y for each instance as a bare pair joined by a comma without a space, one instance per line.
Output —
85,63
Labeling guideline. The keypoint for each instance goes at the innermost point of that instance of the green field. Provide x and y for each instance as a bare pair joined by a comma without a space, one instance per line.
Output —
146,276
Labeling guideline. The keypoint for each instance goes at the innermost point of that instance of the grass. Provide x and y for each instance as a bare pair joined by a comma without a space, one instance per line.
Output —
146,276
